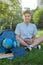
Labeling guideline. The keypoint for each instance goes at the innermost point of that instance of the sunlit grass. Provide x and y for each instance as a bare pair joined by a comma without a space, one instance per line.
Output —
40,32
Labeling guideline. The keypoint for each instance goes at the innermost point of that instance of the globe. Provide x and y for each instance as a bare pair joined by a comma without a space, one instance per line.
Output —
7,43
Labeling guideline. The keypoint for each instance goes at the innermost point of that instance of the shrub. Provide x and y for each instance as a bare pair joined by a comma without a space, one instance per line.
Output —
38,18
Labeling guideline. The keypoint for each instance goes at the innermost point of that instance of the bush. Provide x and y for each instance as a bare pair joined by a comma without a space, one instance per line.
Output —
16,20
8,23
38,18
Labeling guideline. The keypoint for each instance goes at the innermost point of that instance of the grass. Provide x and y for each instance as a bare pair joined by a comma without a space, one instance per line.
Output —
40,32
35,57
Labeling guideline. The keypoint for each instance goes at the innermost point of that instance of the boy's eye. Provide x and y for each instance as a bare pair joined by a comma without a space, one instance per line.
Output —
27,16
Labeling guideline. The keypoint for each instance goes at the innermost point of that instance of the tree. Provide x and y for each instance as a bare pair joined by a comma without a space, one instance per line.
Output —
9,12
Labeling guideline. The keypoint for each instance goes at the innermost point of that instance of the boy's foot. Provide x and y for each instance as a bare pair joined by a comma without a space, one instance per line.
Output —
29,47
38,47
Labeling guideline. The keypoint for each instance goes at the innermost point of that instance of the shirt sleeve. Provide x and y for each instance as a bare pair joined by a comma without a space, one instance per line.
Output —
35,30
17,30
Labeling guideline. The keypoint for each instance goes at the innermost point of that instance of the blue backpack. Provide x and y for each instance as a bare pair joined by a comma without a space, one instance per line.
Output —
7,36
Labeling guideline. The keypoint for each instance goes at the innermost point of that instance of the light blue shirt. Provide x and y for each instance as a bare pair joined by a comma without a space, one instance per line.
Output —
26,31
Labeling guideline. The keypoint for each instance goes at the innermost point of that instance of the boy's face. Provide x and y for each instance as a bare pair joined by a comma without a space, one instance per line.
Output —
27,17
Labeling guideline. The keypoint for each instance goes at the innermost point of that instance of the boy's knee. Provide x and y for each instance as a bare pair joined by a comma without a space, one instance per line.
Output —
42,38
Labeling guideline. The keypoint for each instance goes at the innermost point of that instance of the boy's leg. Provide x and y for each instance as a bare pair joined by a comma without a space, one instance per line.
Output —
37,41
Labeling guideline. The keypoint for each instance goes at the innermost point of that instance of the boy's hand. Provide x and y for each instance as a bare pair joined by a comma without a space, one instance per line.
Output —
26,40
29,41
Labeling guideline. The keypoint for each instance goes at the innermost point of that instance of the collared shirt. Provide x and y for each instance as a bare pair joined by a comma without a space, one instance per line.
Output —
26,31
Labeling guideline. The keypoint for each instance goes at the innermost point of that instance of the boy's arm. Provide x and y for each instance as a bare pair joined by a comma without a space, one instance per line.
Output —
17,32
34,33
32,39
21,41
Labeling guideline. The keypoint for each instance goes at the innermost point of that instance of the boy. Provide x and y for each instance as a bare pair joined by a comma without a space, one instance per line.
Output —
26,31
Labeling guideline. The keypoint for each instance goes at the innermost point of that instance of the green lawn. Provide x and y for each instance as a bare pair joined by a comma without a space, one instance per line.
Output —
40,32
34,57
